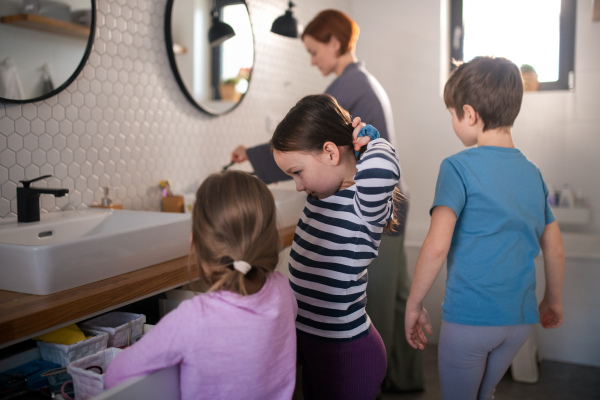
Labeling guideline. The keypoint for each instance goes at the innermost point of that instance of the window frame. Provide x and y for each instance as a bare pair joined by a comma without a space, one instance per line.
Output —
566,63
216,51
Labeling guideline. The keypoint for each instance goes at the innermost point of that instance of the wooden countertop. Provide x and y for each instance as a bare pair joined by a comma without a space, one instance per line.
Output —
23,316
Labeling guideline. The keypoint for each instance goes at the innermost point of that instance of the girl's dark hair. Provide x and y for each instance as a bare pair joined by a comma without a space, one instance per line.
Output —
317,119
234,219
314,120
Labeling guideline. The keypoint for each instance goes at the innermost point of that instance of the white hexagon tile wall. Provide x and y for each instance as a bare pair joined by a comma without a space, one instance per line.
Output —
125,123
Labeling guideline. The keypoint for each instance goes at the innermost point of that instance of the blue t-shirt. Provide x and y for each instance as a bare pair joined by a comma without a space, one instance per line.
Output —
501,205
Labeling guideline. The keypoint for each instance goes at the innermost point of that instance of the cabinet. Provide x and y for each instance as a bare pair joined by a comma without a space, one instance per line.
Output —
163,384
23,316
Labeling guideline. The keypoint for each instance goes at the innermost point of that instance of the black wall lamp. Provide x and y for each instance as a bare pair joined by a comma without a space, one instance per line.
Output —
219,31
286,25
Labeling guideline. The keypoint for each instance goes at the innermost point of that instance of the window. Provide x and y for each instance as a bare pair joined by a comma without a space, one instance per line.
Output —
233,59
238,52
537,35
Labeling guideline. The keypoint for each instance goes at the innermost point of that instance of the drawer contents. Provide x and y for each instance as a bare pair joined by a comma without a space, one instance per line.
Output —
30,375
63,354
88,373
123,328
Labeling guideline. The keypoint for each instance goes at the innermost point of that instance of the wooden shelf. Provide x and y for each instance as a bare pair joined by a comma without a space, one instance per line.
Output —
44,24
23,316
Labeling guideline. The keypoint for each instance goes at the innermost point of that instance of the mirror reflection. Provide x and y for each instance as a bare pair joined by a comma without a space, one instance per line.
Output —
214,77
49,44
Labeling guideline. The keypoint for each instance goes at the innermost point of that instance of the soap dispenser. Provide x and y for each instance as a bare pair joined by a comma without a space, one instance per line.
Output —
107,202
567,199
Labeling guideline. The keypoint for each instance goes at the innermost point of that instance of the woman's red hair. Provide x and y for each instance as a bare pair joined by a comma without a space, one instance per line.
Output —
330,23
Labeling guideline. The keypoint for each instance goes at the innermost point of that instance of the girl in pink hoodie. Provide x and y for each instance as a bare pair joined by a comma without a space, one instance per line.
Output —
236,340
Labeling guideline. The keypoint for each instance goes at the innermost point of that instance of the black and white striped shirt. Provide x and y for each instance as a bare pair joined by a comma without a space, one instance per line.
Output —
335,241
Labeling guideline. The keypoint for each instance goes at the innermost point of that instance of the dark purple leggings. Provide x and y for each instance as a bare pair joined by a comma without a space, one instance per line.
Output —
342,370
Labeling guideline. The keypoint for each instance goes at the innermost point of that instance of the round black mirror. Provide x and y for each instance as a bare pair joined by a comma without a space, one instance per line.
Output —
44,46
210,46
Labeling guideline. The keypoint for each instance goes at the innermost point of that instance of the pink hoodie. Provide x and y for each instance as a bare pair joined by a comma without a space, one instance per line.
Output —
228,346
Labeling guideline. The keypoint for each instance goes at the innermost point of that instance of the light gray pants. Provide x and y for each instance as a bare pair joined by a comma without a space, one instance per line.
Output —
473,359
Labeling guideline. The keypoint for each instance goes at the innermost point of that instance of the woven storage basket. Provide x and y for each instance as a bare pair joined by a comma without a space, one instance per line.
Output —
63,354
89,382
123,328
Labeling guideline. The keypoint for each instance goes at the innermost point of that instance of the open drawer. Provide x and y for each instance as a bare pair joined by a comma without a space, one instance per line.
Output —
163,384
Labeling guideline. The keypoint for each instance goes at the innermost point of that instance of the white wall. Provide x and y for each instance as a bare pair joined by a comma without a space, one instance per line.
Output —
559,131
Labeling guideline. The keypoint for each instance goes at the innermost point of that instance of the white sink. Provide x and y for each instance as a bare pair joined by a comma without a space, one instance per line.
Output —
73,248
289,203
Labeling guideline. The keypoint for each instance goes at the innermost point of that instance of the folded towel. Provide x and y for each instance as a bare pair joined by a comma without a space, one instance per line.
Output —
68,335
10,83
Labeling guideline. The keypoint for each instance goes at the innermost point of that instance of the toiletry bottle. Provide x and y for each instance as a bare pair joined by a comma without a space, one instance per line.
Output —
567,199
552,196
107,202
579,198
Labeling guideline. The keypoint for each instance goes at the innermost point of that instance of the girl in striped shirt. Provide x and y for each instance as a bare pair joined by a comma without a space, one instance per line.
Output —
350,175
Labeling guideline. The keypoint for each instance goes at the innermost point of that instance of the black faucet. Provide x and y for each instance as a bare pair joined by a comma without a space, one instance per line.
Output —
28,199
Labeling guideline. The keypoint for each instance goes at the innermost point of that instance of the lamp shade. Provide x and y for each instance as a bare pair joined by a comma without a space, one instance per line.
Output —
286,25
219,32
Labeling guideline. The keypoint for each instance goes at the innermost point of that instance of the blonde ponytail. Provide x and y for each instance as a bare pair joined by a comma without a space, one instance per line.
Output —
234,220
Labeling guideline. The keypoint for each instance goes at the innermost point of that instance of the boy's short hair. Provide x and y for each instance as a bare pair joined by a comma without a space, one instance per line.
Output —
492,86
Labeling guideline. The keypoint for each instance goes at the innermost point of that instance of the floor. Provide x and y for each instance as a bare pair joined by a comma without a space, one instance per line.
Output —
557,381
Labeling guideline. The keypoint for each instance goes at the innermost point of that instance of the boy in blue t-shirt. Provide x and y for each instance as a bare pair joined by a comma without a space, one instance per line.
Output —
489,218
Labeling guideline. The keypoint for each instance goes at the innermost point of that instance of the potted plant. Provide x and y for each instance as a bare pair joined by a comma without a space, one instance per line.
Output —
232,89
227,90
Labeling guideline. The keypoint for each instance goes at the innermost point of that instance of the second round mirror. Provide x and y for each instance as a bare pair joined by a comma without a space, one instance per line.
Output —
213,76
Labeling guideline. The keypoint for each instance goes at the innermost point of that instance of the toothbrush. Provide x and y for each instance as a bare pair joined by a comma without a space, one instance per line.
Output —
227,166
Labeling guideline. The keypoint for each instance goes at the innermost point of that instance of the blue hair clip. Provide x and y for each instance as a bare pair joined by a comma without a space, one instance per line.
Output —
367,130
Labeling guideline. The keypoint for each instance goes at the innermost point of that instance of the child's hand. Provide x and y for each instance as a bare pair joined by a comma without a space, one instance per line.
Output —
356,141
414,322
551,315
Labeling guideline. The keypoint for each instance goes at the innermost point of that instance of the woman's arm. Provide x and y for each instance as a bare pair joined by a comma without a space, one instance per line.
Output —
551,310
429,263
262,162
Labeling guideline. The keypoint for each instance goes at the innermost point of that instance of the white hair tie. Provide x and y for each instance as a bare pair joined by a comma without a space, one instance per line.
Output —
242,266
